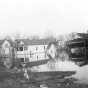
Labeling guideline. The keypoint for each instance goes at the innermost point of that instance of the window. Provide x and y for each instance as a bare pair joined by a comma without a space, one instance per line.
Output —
27,59
36,48
17,49
22,59
25,47
37,57
31,54
20,49
44,47
6,45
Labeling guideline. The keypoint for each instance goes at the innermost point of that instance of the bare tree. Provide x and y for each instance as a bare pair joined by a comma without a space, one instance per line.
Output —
17,36
8,37
48,34
34,37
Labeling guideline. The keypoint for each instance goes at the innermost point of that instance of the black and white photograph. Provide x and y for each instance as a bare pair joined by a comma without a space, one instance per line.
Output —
43,44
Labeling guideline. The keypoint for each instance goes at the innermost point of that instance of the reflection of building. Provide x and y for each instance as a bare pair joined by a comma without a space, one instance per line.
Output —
31,50
6,52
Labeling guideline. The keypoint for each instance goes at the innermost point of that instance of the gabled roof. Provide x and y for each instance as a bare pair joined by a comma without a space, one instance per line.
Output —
10,41
83,35
35,41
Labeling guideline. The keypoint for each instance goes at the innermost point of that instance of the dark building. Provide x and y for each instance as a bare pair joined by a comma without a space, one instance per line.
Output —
79,48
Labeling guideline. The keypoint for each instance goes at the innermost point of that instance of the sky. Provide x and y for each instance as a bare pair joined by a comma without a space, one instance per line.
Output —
40,17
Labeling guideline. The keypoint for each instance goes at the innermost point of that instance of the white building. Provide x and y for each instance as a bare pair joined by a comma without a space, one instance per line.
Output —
32,50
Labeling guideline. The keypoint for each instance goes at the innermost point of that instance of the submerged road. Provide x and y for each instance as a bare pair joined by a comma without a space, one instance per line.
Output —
14,80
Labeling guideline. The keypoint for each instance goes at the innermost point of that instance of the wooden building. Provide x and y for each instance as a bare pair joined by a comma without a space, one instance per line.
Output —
31,50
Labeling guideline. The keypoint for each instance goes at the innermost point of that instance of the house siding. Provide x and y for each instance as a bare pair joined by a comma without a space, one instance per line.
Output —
33,53
35,49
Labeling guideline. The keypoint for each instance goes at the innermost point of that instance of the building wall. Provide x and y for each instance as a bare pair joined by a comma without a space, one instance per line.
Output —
32,52
6,53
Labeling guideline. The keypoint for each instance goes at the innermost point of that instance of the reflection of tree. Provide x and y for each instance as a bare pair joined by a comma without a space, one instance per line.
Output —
51,65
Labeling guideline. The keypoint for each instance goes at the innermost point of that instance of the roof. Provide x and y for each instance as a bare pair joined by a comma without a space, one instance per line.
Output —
35,41
1,42
83,35
10,41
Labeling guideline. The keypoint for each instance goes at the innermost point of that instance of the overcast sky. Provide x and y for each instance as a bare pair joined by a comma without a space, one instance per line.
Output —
37,16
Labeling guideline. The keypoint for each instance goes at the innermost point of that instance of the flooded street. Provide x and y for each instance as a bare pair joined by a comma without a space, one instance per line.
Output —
12,83
78,80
